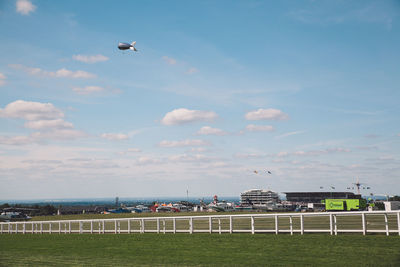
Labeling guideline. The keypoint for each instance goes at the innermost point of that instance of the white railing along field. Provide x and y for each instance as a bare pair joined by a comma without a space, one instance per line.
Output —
322,222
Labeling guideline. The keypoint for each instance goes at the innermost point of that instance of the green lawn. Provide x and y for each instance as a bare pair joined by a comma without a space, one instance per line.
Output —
199,249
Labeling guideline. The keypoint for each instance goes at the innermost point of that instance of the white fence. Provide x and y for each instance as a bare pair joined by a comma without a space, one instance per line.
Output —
323,222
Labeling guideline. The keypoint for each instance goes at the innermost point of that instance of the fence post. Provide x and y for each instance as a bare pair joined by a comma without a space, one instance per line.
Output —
69,227
65,228
252,225
302,224
386,224
1,228
32,228
335,223
129,226
80,227
50,227
99,227
219,225
364,226
24,228
174,225
230,224
158,225
104,227
276,224
210,224
142,226
115,226
164,226
191,225
91,226
331,223
16,228
41,228
398,222
291,225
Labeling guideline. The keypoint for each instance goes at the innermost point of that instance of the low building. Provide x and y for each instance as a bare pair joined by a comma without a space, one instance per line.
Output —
317,197
258,197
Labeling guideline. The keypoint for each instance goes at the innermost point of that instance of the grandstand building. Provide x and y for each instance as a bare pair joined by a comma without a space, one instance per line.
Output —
316,197
258,197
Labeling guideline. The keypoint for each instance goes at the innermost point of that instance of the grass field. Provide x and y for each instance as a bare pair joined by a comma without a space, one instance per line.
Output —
199,250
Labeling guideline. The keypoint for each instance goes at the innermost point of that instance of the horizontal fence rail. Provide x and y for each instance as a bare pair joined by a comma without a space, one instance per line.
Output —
322,222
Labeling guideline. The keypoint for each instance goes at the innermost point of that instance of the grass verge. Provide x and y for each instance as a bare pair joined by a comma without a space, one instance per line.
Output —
199,250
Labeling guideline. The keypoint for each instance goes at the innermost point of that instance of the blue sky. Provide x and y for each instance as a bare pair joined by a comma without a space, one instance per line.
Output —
218,89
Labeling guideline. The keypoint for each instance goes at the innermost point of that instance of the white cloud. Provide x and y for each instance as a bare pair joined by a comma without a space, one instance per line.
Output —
183,115
87,90
283,154
25,7
219,164
59,134
322,152
90,59
198,149
2,79
61,73
39,116
46,124
31,111
115,136
249,155
259,128
147,160
266,114
314,152
130,151
169,60
36,137
134,150
207,130
193,142
192,70
289,134
15,140
188,158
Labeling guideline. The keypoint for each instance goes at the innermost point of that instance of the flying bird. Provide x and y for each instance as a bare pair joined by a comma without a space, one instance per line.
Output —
269,172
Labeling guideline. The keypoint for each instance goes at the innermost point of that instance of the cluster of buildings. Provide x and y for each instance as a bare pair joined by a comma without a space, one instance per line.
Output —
250,200
259,199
